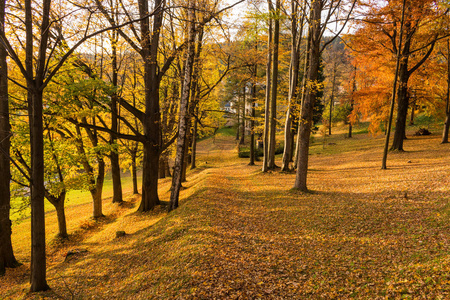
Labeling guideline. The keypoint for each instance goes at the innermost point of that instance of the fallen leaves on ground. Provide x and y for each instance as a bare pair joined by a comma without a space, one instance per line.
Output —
360,233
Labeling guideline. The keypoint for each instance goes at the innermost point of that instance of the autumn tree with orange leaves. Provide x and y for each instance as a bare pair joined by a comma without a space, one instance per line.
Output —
375,45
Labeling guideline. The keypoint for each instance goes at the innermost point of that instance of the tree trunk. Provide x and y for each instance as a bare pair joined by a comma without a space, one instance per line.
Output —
446,129
238,111
115,173
402,106
305,122
273,102
352,103
184,107
194,143
397,70
96,192
162,168
303,88
134,172
293,83
243,119
7,258
114,155
333,86
152,120
149,178
61,215
413,111
252,120
265,166
38,256
447,102
38,276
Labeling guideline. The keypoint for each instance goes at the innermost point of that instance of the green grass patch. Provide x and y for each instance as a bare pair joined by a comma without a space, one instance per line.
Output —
226,131
20,208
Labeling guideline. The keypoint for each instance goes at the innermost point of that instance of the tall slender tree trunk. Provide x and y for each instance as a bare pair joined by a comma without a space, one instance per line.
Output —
273,100
38,276
304,81
333,87
311,91
252,120
134,170
243,119
447,102
238,111
114,155
293,83
397,70
265,166
7,258
184,107
38,253
194,142
413,112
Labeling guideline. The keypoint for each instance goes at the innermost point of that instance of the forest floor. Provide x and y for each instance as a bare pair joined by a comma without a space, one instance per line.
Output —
360,233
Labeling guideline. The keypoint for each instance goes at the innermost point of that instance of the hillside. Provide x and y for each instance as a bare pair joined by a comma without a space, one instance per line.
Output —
361,232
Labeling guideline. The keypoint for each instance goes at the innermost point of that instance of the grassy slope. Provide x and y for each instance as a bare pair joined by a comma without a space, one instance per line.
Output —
361,232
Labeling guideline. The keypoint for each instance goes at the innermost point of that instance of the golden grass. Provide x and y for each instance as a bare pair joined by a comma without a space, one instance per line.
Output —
361,233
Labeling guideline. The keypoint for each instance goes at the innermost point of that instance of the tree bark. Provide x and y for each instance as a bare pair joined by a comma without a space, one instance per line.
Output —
397,69
252,120
243,118
352,103
238,111
311,91
194,143
152,120
134,171
61,214
333,86
183,115
38,276
265,166
7,258
402,105
38,255
95,183
114,155
96,192
58,203
447,102
293,83
273,100
304,81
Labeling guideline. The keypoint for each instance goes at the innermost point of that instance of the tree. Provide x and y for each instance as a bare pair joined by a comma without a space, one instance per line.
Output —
294,70
184,106
265,166
274,85
421,30
316,30
7,258
447,102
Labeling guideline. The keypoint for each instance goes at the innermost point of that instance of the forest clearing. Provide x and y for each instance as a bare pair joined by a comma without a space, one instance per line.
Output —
361,232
